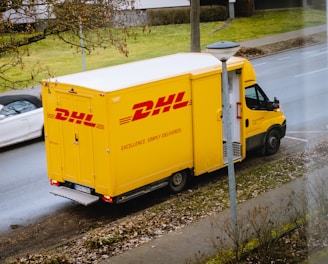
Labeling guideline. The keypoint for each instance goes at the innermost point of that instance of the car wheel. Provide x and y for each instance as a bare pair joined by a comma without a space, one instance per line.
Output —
272,142
178,181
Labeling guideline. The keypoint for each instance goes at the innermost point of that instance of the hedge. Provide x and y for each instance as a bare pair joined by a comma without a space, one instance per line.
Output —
181,15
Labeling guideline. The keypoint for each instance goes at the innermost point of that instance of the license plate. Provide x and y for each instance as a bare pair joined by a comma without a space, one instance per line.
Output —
82,188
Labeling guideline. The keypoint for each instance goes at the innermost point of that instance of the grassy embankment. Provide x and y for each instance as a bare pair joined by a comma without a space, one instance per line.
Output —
53,56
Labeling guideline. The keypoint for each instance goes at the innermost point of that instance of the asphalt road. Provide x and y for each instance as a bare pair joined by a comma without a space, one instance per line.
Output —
298,78
24,188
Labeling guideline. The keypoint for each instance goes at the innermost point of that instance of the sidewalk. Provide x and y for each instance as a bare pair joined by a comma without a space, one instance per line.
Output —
284,36
198,241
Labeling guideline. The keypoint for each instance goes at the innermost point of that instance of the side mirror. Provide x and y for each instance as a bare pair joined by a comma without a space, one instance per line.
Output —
276,103
2,117
271,106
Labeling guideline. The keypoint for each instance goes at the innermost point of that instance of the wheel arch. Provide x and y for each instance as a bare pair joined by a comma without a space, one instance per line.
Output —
267,149
276,127
179,180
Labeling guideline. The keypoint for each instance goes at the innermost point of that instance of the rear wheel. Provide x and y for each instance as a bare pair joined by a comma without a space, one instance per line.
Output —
178,181
272,142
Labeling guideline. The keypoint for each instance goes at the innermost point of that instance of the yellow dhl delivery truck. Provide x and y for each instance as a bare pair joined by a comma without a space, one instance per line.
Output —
118,132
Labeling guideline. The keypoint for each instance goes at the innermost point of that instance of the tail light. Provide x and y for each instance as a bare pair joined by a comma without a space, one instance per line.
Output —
54,182
108,199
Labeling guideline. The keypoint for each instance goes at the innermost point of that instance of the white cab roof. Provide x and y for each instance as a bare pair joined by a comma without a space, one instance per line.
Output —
136,73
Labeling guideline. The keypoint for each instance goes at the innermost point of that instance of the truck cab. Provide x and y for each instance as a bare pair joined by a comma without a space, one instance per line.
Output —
261,114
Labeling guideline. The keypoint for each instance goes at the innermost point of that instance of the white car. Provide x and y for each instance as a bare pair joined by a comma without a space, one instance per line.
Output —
21,118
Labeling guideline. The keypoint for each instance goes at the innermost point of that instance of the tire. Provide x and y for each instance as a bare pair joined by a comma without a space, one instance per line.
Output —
272,142
178,181
42,134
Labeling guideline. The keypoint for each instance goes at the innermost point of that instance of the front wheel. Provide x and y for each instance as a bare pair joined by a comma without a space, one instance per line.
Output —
178,181
272,142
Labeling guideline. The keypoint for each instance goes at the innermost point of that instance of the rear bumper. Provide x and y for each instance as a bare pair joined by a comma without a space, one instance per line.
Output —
77,196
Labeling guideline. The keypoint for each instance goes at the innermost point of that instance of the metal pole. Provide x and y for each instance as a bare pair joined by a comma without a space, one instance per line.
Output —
228,135
82,47
304,4
223,51
231,9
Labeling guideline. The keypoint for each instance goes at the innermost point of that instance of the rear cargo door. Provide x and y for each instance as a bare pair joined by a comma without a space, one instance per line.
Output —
77,151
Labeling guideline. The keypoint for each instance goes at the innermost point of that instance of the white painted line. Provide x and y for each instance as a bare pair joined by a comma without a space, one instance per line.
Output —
299,139
284,58
319,54
307,132
308,73
260,64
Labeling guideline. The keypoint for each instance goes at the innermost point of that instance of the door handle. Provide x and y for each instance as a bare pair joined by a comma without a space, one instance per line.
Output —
76,139
247,122
219,115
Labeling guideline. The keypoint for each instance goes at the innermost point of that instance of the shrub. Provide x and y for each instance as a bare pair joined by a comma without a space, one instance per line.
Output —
244,8
319,4
166,16
213,13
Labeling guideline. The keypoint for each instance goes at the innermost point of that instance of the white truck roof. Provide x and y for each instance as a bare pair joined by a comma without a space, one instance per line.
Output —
135,73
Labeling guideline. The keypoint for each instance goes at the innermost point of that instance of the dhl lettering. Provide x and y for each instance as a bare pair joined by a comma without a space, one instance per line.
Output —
151,108
143,110
62,114
161,103
76,117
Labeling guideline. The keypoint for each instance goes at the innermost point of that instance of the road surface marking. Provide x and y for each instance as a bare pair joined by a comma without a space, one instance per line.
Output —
283,58
308,73
295,138
308,132
259,64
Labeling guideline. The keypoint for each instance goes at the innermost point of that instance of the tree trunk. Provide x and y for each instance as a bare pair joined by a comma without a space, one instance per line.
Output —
194,26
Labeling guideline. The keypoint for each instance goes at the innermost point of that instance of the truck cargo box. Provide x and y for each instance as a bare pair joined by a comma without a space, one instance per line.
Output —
121,131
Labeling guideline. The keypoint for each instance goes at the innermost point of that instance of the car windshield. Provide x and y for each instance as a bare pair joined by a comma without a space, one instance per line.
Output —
17,107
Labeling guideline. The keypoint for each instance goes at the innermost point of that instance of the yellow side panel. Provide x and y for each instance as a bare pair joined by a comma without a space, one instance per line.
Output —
207,123
151,132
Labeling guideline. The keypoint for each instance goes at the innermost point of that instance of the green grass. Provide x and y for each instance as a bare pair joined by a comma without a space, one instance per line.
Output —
58,58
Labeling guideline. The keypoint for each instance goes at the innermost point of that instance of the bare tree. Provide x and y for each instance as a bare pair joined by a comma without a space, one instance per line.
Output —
23,22
194,26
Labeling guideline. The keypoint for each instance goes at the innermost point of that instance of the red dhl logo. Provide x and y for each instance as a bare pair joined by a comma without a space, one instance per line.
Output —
75,117
151,108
